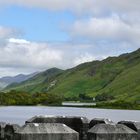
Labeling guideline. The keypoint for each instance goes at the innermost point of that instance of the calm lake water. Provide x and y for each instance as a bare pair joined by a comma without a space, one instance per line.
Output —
19,115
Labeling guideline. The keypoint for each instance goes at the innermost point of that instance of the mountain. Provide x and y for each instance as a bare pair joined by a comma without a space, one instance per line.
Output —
112,79
5,81
35,83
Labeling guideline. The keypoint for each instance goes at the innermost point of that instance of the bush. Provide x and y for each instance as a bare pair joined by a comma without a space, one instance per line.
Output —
104,97
120,104
22,98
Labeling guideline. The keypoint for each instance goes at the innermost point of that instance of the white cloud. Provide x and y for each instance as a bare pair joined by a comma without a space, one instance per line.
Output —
122,6
8,32
84,58
82,6
22,53
18,41
54,5
22,56
110,28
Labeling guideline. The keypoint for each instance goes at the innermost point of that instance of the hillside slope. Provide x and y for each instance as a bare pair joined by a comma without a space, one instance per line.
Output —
117,77
35,84
5,81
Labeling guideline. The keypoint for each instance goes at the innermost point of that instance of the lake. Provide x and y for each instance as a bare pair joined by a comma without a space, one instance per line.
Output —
19,115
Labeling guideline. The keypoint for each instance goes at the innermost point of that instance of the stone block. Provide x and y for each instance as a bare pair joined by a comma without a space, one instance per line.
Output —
79,124
9,131
2,126
111,132
133,125
46,131
95,121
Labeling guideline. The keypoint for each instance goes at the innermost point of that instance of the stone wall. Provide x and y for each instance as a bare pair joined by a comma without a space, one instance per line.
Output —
70,128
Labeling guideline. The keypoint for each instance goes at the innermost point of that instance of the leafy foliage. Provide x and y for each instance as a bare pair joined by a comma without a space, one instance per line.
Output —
104,97
120,104
22,98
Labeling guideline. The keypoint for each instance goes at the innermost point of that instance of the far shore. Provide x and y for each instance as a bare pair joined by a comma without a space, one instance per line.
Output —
72,106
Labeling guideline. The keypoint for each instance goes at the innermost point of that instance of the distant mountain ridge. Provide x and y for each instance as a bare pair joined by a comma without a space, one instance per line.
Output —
112,79
5,81
36,80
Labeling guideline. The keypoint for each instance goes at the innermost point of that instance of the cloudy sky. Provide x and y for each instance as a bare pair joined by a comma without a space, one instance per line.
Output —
39,34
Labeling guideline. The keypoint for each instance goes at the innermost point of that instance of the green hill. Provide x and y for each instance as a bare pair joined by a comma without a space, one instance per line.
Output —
35,84
113,79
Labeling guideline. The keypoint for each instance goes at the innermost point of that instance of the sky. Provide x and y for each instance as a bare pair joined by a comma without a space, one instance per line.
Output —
36,35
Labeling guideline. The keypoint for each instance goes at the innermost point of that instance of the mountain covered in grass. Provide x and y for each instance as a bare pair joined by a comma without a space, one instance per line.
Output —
7,80
37,82
112,79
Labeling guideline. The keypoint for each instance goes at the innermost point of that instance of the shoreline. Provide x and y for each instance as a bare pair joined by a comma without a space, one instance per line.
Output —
53,106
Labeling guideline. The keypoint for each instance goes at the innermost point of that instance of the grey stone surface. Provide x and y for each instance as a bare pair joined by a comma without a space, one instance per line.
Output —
46,131
9,131
95,121
111,132
79,124
2,126
133,125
